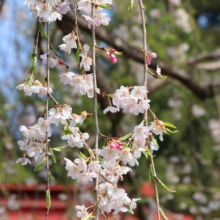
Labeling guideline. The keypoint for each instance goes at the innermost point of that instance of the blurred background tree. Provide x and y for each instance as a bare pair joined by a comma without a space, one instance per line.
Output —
185,36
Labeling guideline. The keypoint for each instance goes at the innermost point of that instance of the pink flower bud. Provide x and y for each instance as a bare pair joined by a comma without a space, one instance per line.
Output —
148,60
61,62
114,60
113,50
113,145
108,53
116,138
120,144
121,148
153,55
112,56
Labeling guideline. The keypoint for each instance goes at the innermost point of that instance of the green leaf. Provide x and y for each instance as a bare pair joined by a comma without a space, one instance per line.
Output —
105,6
162,77
148,153
48,198
100,159
132,5
77,54
168,124
40,165
163,214
172,132
118,53
52,155
90,151
66,130
59,148
51,177
125,137
34,66
78,124
82,155
155,141
140,46
30,80
125,145
42,32
33,53
88,217
166,186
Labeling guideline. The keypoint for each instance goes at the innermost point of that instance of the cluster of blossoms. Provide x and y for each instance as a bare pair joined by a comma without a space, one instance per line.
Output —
115,156
132,101
142,133
48,10
82,84
80,171
36,87
35,136
111,198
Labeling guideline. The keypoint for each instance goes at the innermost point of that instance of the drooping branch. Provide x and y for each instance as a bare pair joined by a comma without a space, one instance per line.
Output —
95,111
142,9
134,53
47,117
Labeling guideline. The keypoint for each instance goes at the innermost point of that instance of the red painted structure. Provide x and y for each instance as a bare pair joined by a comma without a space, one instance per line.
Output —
32,204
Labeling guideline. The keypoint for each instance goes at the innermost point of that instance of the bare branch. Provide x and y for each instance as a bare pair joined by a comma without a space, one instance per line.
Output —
206,55
211,66
145,112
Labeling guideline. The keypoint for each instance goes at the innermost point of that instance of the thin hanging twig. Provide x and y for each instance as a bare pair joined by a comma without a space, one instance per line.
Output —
47,106
95,102
145,112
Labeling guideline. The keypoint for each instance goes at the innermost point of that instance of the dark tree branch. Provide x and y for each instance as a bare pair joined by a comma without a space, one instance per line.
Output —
206,55
134,53
211,66
1,5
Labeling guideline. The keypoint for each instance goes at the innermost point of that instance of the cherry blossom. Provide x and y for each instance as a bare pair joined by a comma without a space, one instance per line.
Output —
84,51
153,147
131,102
158,128
69,42
75,139
111,109
60,114
158,71
53,61
65,78
99,19
23,161
81,211
86,62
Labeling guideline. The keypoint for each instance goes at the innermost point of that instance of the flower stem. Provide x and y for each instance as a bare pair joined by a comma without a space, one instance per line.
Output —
145,112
